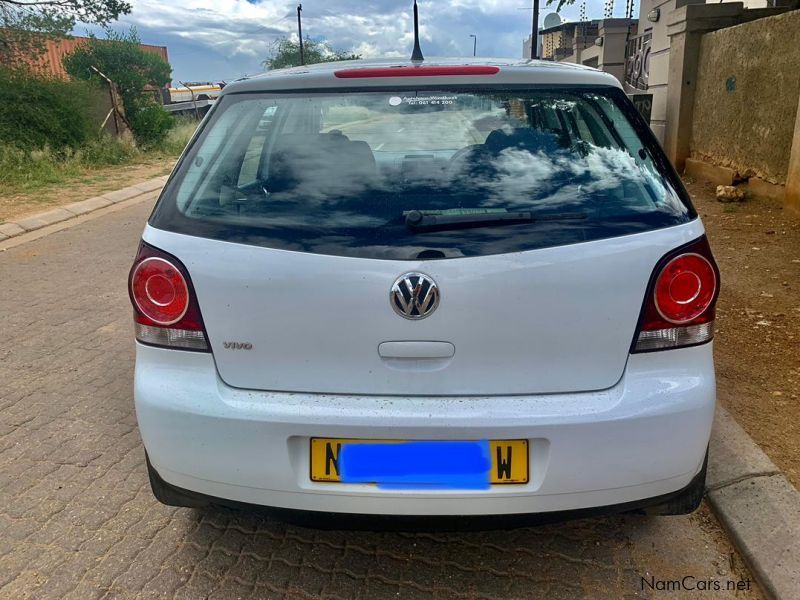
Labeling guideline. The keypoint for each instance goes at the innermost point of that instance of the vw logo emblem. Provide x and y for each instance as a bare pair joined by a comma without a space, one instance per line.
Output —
414,296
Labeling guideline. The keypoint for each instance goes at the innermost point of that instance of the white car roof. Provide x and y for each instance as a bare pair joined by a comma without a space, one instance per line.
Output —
511,71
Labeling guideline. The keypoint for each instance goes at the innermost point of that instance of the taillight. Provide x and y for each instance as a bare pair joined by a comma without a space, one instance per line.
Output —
680,302
159,291
165,309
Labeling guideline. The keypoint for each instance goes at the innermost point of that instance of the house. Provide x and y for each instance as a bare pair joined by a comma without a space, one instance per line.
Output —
598,43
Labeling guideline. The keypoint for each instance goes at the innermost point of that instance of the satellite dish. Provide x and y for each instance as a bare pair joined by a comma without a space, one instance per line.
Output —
552,20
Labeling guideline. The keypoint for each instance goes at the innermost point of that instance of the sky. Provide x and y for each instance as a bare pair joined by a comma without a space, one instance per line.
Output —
222,40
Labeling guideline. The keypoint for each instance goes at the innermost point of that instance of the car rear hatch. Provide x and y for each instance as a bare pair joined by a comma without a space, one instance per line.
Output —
293,216
550,320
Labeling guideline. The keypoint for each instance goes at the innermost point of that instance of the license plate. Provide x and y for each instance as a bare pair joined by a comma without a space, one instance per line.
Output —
410,464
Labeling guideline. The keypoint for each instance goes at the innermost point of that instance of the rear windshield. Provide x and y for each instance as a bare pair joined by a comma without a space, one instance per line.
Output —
347,173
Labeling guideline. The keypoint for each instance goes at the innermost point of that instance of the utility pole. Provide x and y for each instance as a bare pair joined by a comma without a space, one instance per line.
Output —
474,44
300,33
535,31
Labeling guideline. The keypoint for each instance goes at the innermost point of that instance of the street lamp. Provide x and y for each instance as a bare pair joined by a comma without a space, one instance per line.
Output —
474,43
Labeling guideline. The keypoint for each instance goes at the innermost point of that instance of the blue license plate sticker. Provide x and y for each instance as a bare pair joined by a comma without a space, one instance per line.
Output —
418,465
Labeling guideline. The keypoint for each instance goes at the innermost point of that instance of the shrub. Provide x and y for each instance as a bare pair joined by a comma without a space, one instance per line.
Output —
179,136
149,121
121,58
106,151
24,168
41,111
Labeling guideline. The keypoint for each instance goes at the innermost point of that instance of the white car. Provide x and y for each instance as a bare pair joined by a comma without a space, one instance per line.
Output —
457,288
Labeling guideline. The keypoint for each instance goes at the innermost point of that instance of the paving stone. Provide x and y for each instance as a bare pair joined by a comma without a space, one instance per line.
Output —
762,514
77,516
44,219
85,206
31,223
733,454
150,185
123,194
10,229
716,174
757,505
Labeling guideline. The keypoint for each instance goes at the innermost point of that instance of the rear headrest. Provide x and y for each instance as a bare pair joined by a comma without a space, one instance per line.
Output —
524,138
316,158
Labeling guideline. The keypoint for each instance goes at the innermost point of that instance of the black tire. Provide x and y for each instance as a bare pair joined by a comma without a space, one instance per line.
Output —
688,500
170,495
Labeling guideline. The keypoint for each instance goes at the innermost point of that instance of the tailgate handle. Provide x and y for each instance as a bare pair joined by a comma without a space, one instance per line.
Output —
416,350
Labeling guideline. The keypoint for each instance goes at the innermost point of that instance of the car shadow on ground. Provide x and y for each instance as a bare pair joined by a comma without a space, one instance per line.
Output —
253,549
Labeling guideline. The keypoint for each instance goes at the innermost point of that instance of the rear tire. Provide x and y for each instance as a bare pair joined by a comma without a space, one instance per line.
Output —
688,500
170,495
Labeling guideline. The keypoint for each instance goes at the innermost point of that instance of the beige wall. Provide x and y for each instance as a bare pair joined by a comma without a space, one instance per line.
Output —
659,58
793,178
612,53
550,42
749,128
659,54
610,56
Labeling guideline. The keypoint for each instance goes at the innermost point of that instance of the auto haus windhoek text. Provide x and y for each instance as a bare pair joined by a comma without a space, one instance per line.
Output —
690,583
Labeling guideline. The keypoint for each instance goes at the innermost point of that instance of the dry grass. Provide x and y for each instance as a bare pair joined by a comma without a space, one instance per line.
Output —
24,172
32,181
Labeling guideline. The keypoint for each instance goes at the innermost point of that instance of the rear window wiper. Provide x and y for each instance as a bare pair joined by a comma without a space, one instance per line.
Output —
438,220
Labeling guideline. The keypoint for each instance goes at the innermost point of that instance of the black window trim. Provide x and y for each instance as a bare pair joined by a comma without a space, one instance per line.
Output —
650,144
642,129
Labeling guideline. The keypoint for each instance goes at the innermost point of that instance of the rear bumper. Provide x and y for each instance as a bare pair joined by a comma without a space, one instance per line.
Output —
380,522
642,439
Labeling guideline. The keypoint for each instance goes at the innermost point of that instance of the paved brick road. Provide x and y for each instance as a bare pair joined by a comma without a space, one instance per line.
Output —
77,518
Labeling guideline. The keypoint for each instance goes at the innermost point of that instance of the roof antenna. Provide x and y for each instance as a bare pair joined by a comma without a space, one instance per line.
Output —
416,55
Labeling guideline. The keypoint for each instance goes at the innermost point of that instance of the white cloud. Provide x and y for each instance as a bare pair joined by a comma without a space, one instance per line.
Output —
223,39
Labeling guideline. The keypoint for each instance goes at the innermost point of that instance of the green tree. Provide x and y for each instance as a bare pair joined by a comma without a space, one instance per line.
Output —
132,69
25,23
285,52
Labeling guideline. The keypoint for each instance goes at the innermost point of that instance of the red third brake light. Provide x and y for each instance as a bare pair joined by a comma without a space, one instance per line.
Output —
165,306
422,71
681,298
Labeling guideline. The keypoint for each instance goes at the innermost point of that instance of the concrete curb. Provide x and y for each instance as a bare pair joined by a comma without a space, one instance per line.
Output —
757,506
10,229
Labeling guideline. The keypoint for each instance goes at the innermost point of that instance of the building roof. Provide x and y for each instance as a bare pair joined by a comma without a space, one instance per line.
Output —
567,25
511,71
48,58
